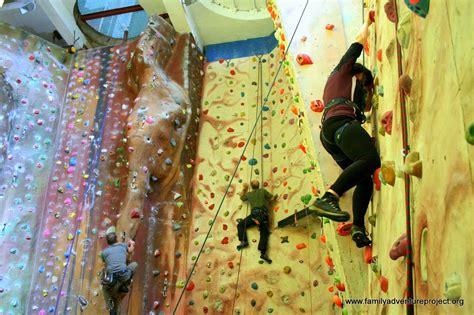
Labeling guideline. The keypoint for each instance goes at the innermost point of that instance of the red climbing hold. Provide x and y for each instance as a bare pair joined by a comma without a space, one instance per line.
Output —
244,158
225,241
366,48
230,264
337,300
302,147
330,27
301,246
383,284
224,227
344,229
303,59
314,190
205,309
379,55
317,106
377,182
372,16
205,112
322,238
230,129
399,248
386,121
329,262
201,177
190,286
368,254
241,144
211,207
135,214
341,287
232,72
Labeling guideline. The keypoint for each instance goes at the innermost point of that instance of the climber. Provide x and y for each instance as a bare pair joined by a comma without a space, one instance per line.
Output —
259,200
346,141
118,275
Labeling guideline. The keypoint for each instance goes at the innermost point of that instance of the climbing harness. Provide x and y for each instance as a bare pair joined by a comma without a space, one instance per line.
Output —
239,161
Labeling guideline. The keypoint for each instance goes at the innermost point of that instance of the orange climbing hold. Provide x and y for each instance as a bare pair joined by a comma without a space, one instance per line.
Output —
282,91
331,289
383,284
314,190
303,59
294,109
366,48
322,238
379,55
337,300
329,27
302,147
301,246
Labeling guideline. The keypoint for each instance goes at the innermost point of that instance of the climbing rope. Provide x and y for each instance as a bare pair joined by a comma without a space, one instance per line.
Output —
240,159
257,108
406,150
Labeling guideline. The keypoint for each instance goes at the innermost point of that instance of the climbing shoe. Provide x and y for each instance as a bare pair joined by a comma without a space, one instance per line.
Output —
242,245
360,236
266,258
328,206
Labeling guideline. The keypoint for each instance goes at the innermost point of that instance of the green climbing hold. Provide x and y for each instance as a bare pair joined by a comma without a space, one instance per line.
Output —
269,293
470,134
313,236
270,310
306,199
326,221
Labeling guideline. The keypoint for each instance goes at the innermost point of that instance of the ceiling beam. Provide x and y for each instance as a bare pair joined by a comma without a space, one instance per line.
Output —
118,11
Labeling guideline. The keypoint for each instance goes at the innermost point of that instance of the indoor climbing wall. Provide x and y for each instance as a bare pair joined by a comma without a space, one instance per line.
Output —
437,166
428,170
33,79
66,157
225,280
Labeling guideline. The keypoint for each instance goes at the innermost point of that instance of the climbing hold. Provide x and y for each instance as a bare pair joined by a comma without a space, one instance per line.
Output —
269,293
157,253
254,285
230,264
376,177
405,84
287,269
306,199
303,59
253,302
390,11
470,134
404,30
302,147
388,172
372,16
225,241
329,262
379,55
399,248
380,90
386,121
294,110
340,286
368,254
317,106
372,219
329,27
419,7
301,246
383,284
322,238
337,300
135,214
413,165
452,286
344,229
253,162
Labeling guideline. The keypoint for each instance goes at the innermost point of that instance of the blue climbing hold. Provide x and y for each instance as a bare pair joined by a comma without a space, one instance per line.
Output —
265,108
253,162
419,7
73,161
254,286
267,146
41,269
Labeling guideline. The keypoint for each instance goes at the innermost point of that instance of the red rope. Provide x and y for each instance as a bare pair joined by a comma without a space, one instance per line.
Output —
406,149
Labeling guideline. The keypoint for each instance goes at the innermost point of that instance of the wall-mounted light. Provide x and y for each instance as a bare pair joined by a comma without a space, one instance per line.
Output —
25,6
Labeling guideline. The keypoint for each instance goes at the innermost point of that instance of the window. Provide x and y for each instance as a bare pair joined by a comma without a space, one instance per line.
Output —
114,17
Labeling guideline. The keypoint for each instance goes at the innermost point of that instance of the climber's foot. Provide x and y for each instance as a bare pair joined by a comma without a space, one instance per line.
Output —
266,258
328,207
360,236
242,245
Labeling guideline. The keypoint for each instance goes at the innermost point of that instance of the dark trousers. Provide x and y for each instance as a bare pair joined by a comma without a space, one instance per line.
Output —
249,221
354,151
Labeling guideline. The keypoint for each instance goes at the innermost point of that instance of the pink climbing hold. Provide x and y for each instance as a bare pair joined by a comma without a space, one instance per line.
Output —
68,201
387,121
390,11
399,248
149,120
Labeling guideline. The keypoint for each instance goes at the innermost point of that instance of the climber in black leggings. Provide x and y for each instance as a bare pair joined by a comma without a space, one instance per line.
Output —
347,142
